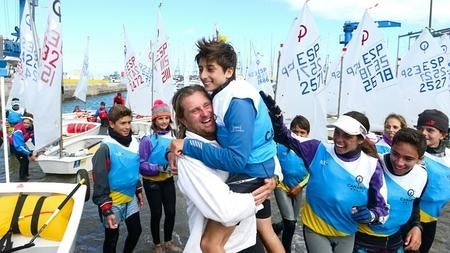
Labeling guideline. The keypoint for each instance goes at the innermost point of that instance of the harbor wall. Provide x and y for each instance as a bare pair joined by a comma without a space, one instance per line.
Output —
95,87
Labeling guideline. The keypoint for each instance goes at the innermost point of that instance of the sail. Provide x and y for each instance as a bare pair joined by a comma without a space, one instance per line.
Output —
366,70
47,103
163,85
258,74
423,79
330,92
82,86
444,41
138,88
26,78
300,75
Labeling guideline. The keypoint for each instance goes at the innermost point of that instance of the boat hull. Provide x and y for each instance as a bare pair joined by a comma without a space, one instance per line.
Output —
67,244
77,154
76,129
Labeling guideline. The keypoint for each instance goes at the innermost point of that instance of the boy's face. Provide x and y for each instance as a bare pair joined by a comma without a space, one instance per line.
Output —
432,135
299,131
122,126
403,157
212,75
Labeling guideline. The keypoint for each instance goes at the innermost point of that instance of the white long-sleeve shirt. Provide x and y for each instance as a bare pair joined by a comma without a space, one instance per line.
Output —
208,197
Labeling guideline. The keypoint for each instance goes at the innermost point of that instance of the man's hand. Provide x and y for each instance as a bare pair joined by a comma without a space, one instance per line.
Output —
264,192
413,239
176,146
175,149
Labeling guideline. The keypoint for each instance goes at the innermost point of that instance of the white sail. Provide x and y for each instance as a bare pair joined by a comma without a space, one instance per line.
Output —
444,41
26,78
330,93
138,88
258,74
82,86
47,106
423,79
163,85
366,70
300,75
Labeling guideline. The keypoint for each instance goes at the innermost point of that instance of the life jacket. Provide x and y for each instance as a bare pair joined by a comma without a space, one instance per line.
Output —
103,115
14,117
27,134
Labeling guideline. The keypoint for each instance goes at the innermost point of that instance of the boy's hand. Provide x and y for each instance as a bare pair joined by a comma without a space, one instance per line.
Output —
111,221
140,197
294,191
413,239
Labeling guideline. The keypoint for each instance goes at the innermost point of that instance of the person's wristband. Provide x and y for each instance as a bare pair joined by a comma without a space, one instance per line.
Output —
107,212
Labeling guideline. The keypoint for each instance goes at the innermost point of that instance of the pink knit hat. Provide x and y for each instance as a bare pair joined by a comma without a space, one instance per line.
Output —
160,109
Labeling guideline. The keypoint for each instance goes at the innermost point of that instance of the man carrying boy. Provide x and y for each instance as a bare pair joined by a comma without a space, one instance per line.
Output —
245,135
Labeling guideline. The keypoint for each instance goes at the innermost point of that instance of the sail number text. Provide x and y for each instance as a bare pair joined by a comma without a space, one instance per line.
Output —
308,68
373,68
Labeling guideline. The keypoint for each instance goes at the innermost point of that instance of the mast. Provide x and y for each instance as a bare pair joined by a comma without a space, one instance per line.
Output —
3,73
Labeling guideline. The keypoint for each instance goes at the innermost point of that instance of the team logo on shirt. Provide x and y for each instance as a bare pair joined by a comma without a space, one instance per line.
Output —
410,197
358,187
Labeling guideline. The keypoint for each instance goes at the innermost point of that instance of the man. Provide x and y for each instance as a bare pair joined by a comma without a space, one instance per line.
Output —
118,99
208,197
247,149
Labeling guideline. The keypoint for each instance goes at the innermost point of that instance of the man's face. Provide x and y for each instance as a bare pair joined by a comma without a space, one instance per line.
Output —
212,75
15,107
198,116
122,126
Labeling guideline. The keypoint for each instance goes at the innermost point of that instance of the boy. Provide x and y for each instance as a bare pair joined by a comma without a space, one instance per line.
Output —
117,187
245,135
405,180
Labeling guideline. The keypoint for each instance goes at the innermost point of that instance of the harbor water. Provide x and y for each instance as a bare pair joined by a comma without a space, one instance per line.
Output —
90,233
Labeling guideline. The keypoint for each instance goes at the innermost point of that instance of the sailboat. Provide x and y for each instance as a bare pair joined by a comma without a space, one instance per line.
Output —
78,124
143,80
47,109
300,81
55,222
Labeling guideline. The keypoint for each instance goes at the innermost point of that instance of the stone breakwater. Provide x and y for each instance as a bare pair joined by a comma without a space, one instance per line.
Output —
95,87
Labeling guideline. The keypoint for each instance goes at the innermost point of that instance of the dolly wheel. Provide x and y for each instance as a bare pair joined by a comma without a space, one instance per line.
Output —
83,174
